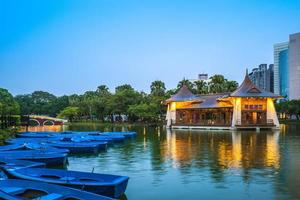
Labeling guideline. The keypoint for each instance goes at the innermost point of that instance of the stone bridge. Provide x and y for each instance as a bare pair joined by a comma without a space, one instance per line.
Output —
39,120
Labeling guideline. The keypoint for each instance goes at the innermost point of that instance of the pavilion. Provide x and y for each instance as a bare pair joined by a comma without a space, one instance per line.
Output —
247,107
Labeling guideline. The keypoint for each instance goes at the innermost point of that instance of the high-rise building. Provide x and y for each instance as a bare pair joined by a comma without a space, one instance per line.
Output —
270,78
262,77
294,66
287,68
279,67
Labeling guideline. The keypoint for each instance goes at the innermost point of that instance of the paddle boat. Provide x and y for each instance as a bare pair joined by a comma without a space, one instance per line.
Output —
125,134
115,138
12,189
17,164
104,184
11,147
49,157
6,196
79,147
34,135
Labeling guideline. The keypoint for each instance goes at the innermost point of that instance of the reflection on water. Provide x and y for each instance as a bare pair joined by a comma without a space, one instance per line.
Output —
201,164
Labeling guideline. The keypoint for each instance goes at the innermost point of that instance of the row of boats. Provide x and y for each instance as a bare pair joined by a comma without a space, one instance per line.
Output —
23,163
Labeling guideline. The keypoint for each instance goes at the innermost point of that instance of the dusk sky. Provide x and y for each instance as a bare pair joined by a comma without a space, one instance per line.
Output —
66,47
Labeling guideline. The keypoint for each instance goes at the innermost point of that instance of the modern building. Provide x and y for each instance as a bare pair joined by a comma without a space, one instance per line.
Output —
263,77
270,78
294,66
281,68
247,107
287,68
201,77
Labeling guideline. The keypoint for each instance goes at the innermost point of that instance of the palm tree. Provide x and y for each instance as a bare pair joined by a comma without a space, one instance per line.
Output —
158,88
186,82
201,87
231,86
217,84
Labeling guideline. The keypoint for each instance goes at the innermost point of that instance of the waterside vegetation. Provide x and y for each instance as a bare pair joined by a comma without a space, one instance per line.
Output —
124,104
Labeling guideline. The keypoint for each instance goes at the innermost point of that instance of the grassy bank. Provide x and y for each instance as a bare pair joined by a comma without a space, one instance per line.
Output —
289,121
6,134
115,124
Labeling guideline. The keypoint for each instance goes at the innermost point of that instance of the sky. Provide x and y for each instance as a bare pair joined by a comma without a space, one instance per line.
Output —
72,46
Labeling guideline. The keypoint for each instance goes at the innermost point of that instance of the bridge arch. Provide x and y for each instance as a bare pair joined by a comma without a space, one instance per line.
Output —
50,123
36,121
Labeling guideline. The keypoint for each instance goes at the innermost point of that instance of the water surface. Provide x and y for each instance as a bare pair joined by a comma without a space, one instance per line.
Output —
184,164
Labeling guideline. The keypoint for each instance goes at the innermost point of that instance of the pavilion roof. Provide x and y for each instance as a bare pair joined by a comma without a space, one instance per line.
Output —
184,94
248,89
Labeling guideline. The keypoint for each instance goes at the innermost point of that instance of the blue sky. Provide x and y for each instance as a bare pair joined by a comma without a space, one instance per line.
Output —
67,47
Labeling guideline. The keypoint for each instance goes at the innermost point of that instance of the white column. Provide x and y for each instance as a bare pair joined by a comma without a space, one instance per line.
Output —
271,112
236,117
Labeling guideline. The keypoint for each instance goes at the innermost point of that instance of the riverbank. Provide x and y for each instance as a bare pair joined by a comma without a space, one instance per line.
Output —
289,121
6,134
115,124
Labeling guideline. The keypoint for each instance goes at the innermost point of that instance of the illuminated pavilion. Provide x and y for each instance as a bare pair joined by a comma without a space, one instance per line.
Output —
247,107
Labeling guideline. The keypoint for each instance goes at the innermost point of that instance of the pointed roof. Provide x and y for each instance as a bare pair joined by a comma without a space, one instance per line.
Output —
248,89
184,94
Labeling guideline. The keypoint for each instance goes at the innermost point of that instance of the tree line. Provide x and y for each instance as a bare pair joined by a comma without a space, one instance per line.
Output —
289,109
103,105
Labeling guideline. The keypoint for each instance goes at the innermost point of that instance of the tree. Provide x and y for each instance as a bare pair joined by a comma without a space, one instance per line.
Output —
158,88
231,86
217,84
201,87
186,82
69,113
145,112
8,108
103,96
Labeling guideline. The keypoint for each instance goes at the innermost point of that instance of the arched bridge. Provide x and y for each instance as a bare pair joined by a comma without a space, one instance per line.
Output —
39,120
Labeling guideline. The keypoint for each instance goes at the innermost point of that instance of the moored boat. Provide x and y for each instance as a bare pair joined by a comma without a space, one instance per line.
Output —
79,147
12,189
104,184
50,158
6,163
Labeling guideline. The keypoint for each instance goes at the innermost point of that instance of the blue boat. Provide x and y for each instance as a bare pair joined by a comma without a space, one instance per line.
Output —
125,134
6,163
34,135
79,147
50,158
12,189
6,196
115,138
29,140
12,147
103,184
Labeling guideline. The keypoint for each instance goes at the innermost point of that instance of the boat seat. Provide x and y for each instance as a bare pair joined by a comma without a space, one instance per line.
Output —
67,178
12,190
52,196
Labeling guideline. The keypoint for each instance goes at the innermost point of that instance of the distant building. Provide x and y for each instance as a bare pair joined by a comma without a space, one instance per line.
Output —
287,68
270,78
201,77
294,66
281,69
263,77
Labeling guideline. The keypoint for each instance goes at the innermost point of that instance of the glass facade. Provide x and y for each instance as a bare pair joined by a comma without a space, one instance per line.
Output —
283,73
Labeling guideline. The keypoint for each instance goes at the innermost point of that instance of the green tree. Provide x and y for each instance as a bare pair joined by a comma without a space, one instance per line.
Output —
186,82
145,112
69,113
231,86
217,84
201,87
158,88
8,109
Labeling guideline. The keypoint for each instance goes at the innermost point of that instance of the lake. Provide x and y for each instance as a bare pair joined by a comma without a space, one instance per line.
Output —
183,164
